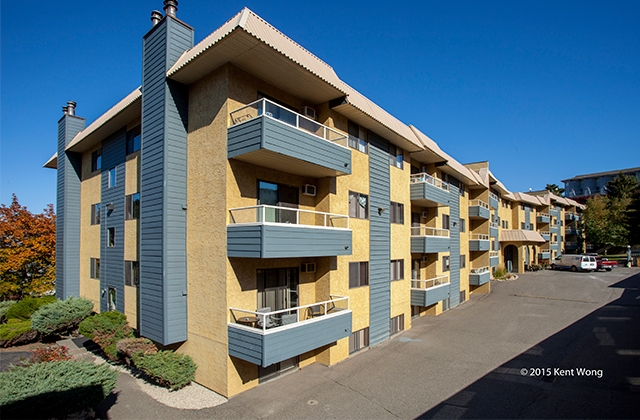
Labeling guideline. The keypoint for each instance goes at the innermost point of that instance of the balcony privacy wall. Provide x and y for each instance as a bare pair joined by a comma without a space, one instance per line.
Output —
454,261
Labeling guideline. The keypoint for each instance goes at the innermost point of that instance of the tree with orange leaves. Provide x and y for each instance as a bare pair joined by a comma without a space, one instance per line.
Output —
27,251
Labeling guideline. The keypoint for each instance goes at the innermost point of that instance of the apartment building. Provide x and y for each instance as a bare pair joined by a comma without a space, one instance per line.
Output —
247,207
583,186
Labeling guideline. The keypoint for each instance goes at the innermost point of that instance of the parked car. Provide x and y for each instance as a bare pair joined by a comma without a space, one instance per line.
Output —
603,263
575,263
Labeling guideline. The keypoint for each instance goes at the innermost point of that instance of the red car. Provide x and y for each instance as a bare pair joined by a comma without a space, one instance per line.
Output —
604,263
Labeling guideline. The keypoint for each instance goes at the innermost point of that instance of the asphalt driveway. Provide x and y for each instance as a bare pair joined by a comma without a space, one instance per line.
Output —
548,345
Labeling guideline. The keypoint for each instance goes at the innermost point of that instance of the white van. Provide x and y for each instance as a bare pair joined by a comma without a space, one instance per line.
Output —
575,263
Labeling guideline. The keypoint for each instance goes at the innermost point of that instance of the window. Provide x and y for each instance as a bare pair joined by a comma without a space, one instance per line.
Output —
96,160
397,270
522,225
95,214
132,206
506,224
358,205
94,268
111,240
395,157
445,263
359,340
463,261
397,213
112,177
445,221
358,274
396,324
133,140
132,273
463,225
358,138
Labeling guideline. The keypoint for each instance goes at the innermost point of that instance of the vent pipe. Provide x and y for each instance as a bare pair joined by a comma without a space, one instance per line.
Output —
156,17
170,7
71,108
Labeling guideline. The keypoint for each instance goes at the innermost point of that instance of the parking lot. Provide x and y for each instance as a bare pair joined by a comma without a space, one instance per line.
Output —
552,344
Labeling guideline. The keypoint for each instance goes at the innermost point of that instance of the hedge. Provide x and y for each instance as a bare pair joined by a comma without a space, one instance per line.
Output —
173,370
16,332
61,316
106,329
54,389
27,307
4,307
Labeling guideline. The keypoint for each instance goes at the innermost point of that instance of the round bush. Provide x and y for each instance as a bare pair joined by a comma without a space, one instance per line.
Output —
61,316
106,329
27,307
169,369
54,389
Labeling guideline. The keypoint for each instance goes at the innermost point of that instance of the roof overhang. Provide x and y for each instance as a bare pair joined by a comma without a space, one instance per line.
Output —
523,236
52,163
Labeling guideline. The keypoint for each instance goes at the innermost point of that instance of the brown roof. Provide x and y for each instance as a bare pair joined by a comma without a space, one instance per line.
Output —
521,236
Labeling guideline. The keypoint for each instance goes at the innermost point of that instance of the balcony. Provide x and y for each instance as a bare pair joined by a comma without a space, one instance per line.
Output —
478,209
493,229
570,246
494,258
544,255
554,211
553,228
571,231
494,200
479,276
266,134
265,338
428,292
568,216
479,242
425,240
427,191
543,218
553,245
546,235
280,232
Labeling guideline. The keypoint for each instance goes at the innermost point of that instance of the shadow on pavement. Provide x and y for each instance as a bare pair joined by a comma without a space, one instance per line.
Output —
546,381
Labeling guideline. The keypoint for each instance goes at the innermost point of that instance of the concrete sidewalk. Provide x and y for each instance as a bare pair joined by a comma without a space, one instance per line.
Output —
465,363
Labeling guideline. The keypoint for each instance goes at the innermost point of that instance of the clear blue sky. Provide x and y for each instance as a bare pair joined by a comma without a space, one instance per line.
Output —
544,90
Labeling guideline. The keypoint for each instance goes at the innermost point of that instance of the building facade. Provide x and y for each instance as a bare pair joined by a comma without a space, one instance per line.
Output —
247,207
582,186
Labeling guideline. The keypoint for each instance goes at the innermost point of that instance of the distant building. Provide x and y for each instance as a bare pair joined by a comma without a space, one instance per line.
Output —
593,184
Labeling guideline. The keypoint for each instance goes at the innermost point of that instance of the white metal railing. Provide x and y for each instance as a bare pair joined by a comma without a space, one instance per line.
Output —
494,196
480,270
494,225
479,237
545,233
569,215
569,244
493,254
428,179
553,243
429,231
544,215
276,214
284,317
426,284
478,203
272,110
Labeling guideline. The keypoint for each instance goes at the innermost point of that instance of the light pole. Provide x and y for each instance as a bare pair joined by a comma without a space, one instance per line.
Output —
628,255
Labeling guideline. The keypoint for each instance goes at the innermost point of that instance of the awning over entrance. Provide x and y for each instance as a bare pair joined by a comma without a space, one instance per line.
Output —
519,235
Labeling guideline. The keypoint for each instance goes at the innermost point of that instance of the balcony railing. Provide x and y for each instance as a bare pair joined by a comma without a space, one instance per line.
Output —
553,243
426,284
493,254
273,320
478,203
479,237
545,233
494,225
429,231
275,214
494,196
544,215
480,270
426,178
286,116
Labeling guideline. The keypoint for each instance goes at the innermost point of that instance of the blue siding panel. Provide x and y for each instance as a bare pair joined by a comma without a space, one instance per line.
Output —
493,203
379,241
430,296
68,210
269,134
280,344
479,212
163,282
479,245
429,244
425,191
454,274
479,279
494,261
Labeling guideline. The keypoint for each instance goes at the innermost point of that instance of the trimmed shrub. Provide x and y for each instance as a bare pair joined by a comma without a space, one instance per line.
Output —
16,332
27,307
61,316
500,273
169,369
130,346
56,389
4,307
49,354
106,329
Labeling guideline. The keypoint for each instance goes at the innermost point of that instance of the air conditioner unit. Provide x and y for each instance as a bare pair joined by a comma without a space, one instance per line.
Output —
308,268
425,214
307,111
309,189
425,258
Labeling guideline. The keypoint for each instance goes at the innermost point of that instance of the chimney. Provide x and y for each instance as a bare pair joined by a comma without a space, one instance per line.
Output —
170,7
71,108
156,17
